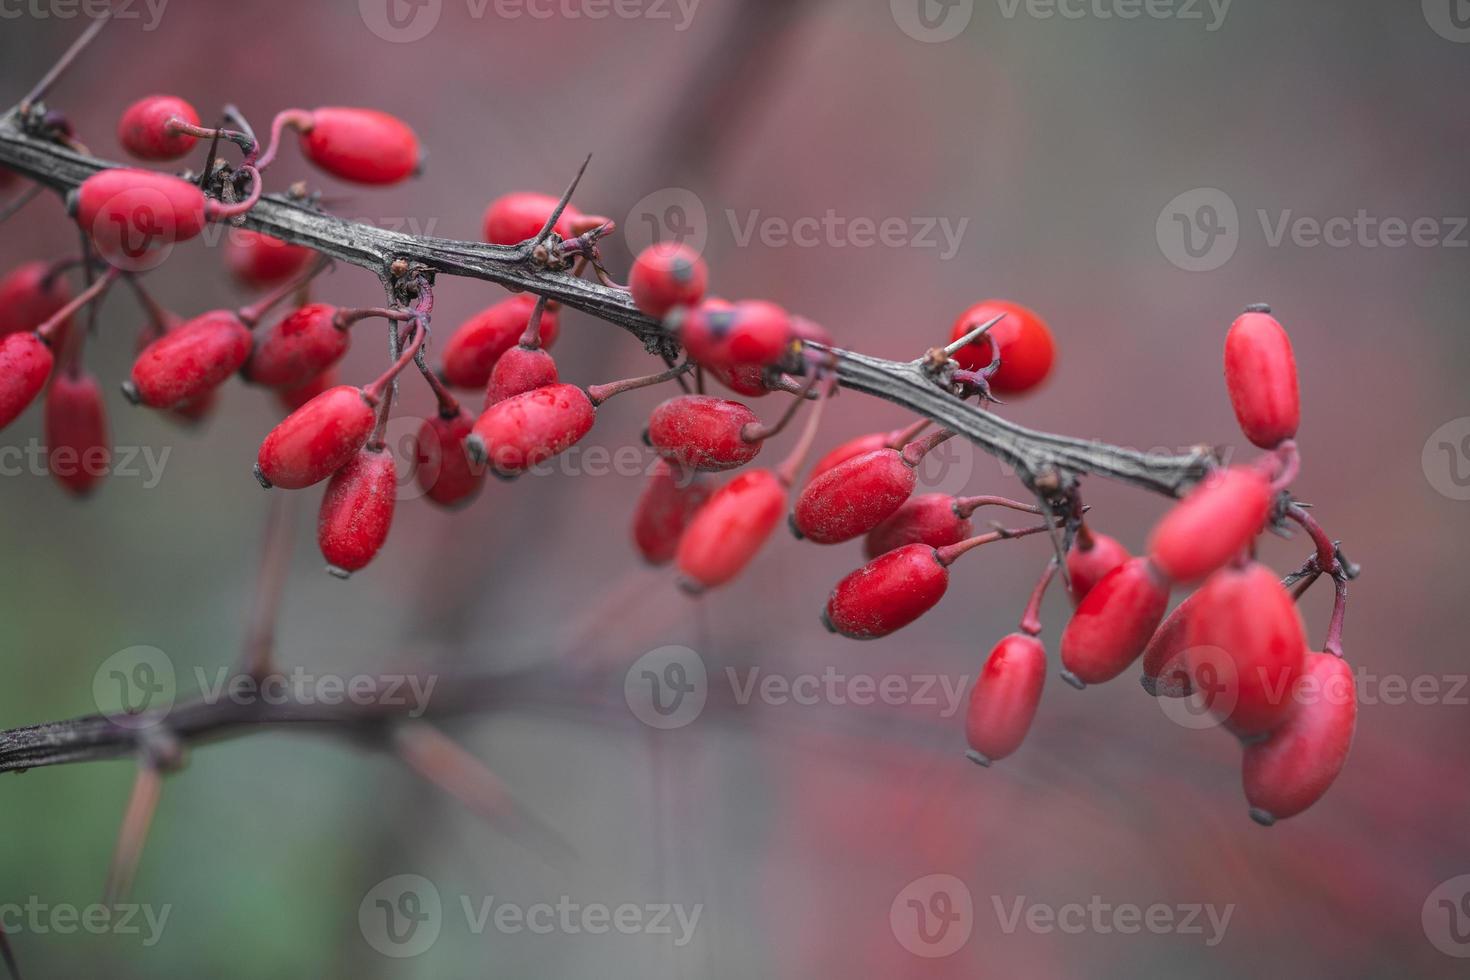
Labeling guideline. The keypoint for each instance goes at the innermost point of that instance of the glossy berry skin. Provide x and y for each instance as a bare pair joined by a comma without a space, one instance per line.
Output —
25,364
361,145
1246,648
670,499
298,347
1295,766
1165,666
1260,374
519,370
78,450
357,510
444,470
853,497
926,519
27,300
131,215
887,593
1212,525
1004,699
472,351
729,530
293,398
751,333
514,218
257,260
317,439
702,432
667,275
190,360
1113,624
529,429
142,132
1088,566
1027,349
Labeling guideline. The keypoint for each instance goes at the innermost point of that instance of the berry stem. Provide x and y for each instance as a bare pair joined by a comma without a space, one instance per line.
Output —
1031,618
64,62
343,319
756,432
786,472
1333,643
220,211
531,336
915,452
47,330
250,315
298,119
598,394
949,553
902,437
26,196
1326,551
1289,464
448,404
374,392
966,506
176,126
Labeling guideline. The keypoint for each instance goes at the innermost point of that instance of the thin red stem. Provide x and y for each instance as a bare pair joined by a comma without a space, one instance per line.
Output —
598,394
250,315
175,126
915,452
1333,644
786,472
343,319
1326,550
220,211
965,506
949,553
899,438
298,119
756,432
531,336
1031,618
375,391
47,330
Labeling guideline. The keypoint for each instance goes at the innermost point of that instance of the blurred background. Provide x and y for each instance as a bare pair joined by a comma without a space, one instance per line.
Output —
1136,173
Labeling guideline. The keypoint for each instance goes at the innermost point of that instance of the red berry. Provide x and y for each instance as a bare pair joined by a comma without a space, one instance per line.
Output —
25,364
260,260
1246,647
190,360
519,370
1212,525
703,432
887,593
293,398
133,215
143,132
752,333
927,519
472,351
515,218
1299,761
361,145
853,497
670,499
1260,373
521,432
1027,350
667,275
298,347
1005,697
317,439
356,511
1165,667
78,451
872,442
748,380
1087,566
728,531
28,299
1114,623
444,470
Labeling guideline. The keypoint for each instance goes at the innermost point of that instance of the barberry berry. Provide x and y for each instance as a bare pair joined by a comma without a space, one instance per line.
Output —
473,349
1027,349
144,129
1296,764
444,470
670,499
666,275
1214,524
190,360
78,451
1091,557
1112,625
1004,699
357,510
929,519
1260,374
257,260
361,145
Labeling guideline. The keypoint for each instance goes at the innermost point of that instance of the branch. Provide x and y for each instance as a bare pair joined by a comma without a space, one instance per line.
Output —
1045,462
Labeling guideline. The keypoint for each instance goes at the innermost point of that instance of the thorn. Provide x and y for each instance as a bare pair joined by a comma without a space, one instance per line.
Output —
561,205
971,337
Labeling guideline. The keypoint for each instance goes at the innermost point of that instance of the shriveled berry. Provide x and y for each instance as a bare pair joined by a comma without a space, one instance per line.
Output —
1091,557
751,333
1260,374
1212,525
887,593
519,370
1113,624
77,448
361,145
132,215
1165,667
1027,350
521,432
29,296
143,128
670,499
703,433
444,470
1246,648
357,510
298,347
1293,767
729,530
1004,699
853,497
25,364
514,218
190,360
926,519
259,260
666,275
473,349
317,439
293,398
